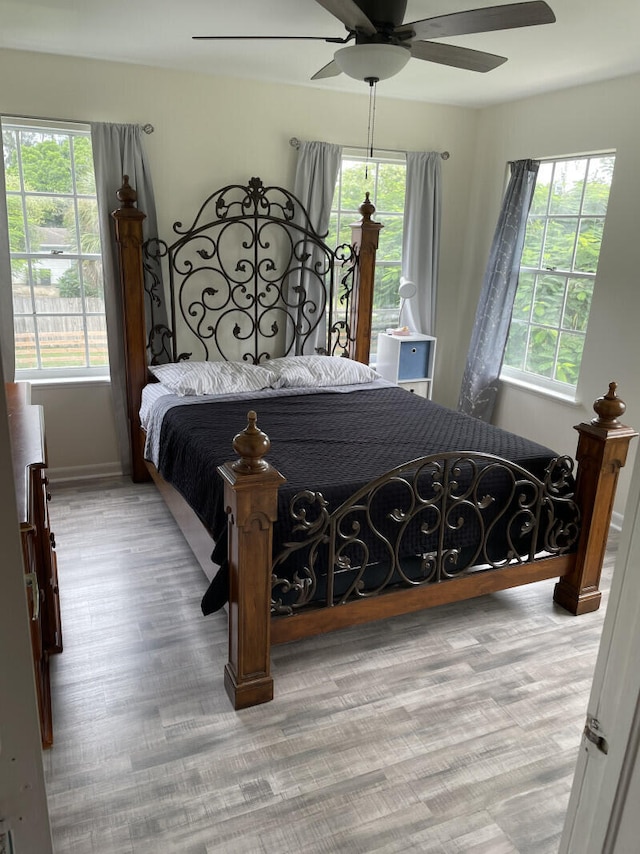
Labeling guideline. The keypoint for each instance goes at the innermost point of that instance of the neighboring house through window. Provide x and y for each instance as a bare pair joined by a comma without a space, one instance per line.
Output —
558,272
54,240
385,182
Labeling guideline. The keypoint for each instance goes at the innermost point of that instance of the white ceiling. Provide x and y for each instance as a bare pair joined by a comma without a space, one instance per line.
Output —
591,40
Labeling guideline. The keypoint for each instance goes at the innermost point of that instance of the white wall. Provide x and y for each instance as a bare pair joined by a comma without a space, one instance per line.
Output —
597,117
213,131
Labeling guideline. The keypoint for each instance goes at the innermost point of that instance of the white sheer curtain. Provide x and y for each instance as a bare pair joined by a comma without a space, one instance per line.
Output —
421,237
118,151
7,338
314,185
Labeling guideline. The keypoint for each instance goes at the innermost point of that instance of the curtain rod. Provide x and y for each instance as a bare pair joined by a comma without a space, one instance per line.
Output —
294,142
147,128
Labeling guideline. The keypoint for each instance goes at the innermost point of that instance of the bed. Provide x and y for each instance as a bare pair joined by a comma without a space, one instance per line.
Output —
403,504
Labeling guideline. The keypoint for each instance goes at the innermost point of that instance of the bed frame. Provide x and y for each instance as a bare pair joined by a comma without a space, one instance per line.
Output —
251,483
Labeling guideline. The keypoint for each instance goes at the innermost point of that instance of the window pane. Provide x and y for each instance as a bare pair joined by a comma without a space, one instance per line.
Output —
541,352
385,184
21,288
386,288
97,334
391,187
589,241
332,236
52,224
560,243
569,357
62,342
599,177
11,171
517,345
353,184
548,300
345,227
390,248
93,285
69,288
524,297
89,226
533,242
83,163
56,264
386,302
46,162
26,353
578,305
45,289
568,184
573,225
17,239
541,193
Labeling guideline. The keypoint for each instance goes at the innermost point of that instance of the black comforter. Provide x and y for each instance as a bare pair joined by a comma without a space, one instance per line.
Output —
328,442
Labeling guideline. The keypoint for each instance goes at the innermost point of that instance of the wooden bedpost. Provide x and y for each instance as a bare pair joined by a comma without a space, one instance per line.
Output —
128,224
364,236
602,451
251,499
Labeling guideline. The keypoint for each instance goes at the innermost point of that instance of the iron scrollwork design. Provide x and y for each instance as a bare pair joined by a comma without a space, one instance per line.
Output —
248,279
424,522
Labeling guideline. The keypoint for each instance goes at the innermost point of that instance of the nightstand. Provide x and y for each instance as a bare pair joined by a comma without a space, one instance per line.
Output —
407,360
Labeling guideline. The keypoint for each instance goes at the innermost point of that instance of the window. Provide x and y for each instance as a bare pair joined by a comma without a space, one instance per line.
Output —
385,183
54,241
558,272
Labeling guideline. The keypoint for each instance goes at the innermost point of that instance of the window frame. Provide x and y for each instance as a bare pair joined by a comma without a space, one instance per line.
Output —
396,158
78,257
528,379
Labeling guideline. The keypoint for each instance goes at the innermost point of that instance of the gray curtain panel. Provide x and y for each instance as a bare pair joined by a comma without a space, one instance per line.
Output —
493,317
314,185
7,338
421,237
118,151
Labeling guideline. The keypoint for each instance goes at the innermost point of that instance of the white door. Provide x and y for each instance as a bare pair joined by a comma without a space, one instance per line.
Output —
23,802
604,808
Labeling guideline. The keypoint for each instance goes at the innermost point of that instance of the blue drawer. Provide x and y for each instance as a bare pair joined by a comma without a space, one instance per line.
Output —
414,359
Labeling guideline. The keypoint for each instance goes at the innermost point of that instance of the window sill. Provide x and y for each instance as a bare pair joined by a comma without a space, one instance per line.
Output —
560,396
65,382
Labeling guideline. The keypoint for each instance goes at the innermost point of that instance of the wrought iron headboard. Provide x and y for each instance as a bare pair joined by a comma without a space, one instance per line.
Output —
249,279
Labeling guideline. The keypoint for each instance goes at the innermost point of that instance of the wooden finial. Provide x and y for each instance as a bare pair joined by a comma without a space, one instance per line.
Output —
366,208
126,194
251,445
608,408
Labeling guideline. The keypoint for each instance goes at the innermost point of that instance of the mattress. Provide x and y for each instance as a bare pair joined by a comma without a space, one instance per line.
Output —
330,442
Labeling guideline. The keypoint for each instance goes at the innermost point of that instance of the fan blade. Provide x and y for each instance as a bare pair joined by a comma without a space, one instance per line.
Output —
458,57
350,14
329,70
480,21
331,40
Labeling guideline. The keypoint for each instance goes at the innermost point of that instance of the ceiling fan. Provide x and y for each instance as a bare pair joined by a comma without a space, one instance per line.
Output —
383,44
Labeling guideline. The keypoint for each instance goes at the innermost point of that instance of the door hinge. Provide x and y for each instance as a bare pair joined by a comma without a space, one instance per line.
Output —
593,732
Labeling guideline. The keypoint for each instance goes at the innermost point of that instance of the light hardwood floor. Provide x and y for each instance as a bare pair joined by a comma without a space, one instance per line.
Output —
454,731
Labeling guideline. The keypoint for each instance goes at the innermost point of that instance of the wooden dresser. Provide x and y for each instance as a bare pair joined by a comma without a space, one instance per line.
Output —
26,428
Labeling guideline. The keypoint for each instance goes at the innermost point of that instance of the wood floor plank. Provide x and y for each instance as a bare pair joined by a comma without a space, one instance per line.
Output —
453,731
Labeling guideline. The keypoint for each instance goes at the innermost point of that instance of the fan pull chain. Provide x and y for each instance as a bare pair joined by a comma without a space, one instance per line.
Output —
371,125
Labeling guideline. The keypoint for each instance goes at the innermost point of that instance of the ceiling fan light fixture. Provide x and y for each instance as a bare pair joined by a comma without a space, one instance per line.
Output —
372,61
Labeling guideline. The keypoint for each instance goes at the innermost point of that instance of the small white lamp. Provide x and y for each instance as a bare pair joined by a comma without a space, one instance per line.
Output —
406,291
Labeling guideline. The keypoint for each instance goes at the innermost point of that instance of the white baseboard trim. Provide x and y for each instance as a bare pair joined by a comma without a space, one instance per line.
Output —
70,473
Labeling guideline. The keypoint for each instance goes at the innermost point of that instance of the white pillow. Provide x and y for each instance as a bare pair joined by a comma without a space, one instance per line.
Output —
319,371
198,378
